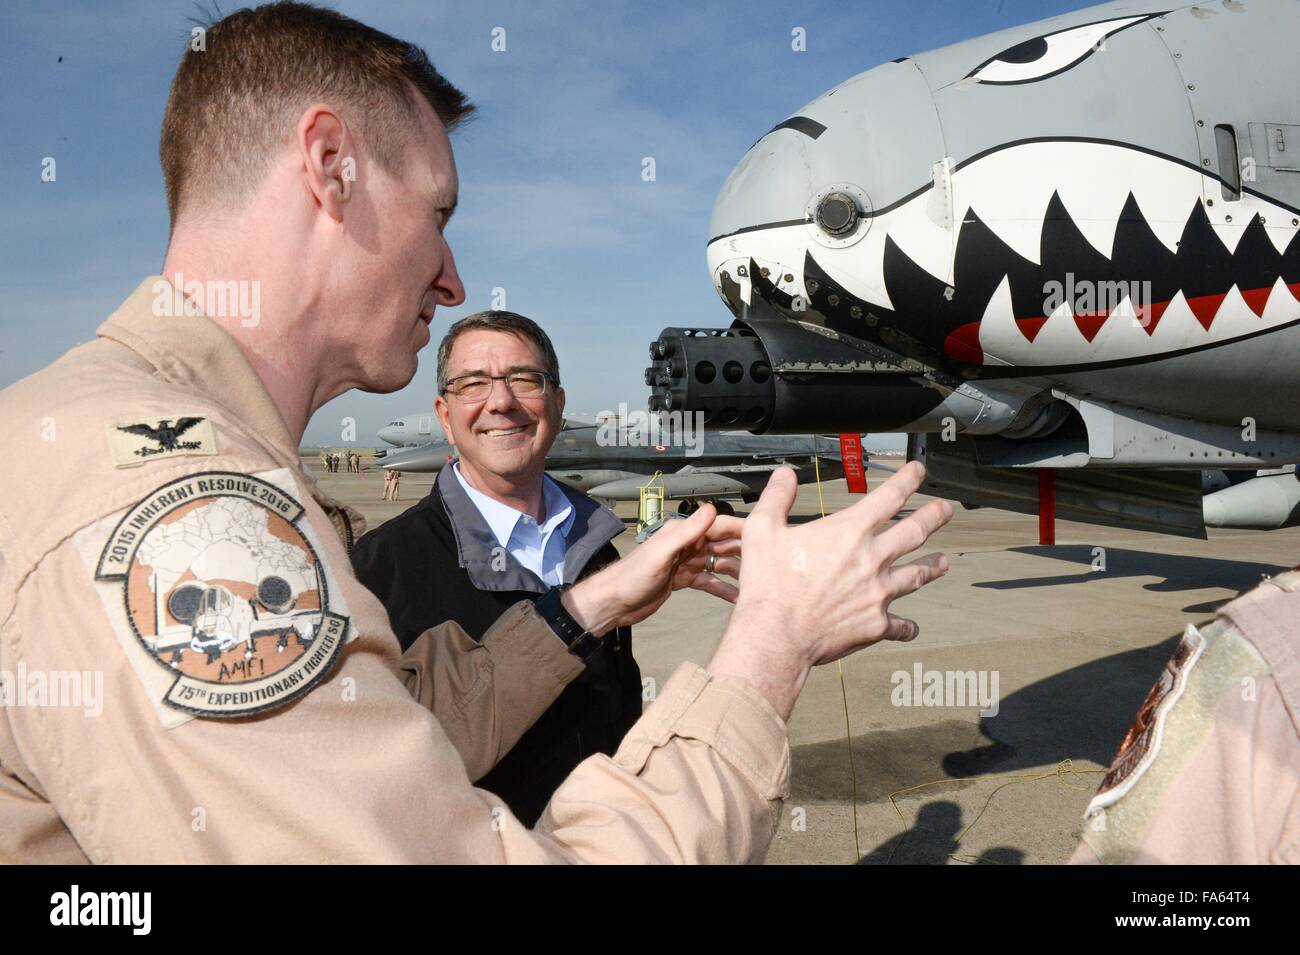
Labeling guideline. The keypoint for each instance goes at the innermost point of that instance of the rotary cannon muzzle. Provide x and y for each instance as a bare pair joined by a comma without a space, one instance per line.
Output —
723,372
781,377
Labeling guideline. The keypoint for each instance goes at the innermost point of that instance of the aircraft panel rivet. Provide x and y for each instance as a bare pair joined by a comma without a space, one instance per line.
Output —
789,277
833,299
1295,221
765,271
1191,86
855,312
1205,162
1200,122
1178,56
1227,218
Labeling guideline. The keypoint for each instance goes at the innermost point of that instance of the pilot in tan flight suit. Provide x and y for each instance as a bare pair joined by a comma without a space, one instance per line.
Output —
1210,771
254,703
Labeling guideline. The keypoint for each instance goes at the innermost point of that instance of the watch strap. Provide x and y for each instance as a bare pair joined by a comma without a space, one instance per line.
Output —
581,643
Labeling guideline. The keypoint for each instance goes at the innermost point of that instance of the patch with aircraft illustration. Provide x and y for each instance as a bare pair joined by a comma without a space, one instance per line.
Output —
225,592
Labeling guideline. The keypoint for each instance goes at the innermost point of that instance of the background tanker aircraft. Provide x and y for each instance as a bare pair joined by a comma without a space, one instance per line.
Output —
410,431
612,462
1062,257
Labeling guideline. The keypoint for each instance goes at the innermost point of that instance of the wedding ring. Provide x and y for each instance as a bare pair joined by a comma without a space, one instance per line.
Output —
708,564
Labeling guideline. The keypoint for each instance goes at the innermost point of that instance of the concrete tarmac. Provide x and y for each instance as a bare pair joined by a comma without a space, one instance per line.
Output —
1074,634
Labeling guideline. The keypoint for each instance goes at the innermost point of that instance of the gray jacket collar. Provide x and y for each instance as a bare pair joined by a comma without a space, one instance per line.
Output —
491,567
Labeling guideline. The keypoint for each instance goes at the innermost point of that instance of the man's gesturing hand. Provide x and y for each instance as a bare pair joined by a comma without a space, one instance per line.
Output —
816,592
631,589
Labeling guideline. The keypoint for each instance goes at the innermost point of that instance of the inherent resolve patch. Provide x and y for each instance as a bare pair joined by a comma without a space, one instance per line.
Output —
134,443
223,589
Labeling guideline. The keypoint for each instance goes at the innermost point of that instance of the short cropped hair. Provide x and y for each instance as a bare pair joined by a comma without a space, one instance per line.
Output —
238,94
497,320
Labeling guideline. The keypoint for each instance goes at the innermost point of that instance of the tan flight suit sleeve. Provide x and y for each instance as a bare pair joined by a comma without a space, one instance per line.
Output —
1223,787
357,771
487,694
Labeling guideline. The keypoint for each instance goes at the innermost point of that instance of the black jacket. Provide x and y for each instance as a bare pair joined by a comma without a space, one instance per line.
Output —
439,561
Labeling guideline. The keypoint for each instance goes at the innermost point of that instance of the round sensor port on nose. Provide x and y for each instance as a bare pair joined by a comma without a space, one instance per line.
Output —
837,213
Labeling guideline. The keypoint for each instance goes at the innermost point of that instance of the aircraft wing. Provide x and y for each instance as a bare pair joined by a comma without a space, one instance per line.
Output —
733,482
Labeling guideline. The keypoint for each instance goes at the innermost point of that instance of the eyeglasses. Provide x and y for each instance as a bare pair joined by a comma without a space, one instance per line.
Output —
475,388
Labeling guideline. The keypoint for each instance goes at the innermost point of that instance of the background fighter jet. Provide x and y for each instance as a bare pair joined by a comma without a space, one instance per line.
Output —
1063,257
612,463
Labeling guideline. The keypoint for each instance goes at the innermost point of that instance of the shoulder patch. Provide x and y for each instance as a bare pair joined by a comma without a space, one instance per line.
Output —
1141,744
132,443
1174,719
217,578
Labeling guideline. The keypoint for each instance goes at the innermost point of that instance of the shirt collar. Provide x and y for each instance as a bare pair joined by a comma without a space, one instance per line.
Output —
502,519
194,351
559,512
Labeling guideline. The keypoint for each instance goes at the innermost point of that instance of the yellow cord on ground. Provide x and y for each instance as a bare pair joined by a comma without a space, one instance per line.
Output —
1062,770
844,690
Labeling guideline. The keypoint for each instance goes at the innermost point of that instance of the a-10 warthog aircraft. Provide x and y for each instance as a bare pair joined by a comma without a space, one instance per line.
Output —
1063,257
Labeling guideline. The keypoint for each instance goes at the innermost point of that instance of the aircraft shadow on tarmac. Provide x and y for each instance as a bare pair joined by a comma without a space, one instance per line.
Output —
1084,712
1080,714
1180,571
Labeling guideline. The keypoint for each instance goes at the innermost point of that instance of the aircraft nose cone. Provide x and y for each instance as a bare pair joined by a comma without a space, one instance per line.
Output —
769,185
815,183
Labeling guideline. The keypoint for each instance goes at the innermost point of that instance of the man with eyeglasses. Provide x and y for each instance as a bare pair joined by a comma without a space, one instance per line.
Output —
495,530
179,484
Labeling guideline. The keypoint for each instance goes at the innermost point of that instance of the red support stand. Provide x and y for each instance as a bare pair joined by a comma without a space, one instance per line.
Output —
1047,506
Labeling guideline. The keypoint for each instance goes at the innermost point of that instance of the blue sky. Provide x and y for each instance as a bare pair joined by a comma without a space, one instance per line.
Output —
553,208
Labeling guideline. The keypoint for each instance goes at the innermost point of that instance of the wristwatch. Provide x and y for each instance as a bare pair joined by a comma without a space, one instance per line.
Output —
581,643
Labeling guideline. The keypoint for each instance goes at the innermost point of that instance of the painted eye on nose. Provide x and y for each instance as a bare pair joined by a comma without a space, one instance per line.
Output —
1052,53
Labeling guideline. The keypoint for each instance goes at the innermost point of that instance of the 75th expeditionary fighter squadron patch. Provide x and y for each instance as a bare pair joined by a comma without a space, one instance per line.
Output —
218,594
135,442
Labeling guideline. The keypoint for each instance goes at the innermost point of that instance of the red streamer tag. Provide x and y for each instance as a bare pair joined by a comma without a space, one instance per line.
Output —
855,471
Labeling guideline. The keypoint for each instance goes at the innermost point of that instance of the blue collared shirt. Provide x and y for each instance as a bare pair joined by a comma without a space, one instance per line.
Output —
537,547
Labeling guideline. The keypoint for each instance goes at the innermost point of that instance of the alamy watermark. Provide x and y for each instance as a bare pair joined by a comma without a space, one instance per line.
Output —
75,907
1086,297
72,689
660,430
958,688
239,299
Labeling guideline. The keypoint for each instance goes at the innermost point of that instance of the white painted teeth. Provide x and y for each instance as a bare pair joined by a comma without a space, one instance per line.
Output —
498,432
1010,190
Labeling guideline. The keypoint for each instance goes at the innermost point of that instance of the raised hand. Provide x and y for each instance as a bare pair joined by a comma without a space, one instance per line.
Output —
815,592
